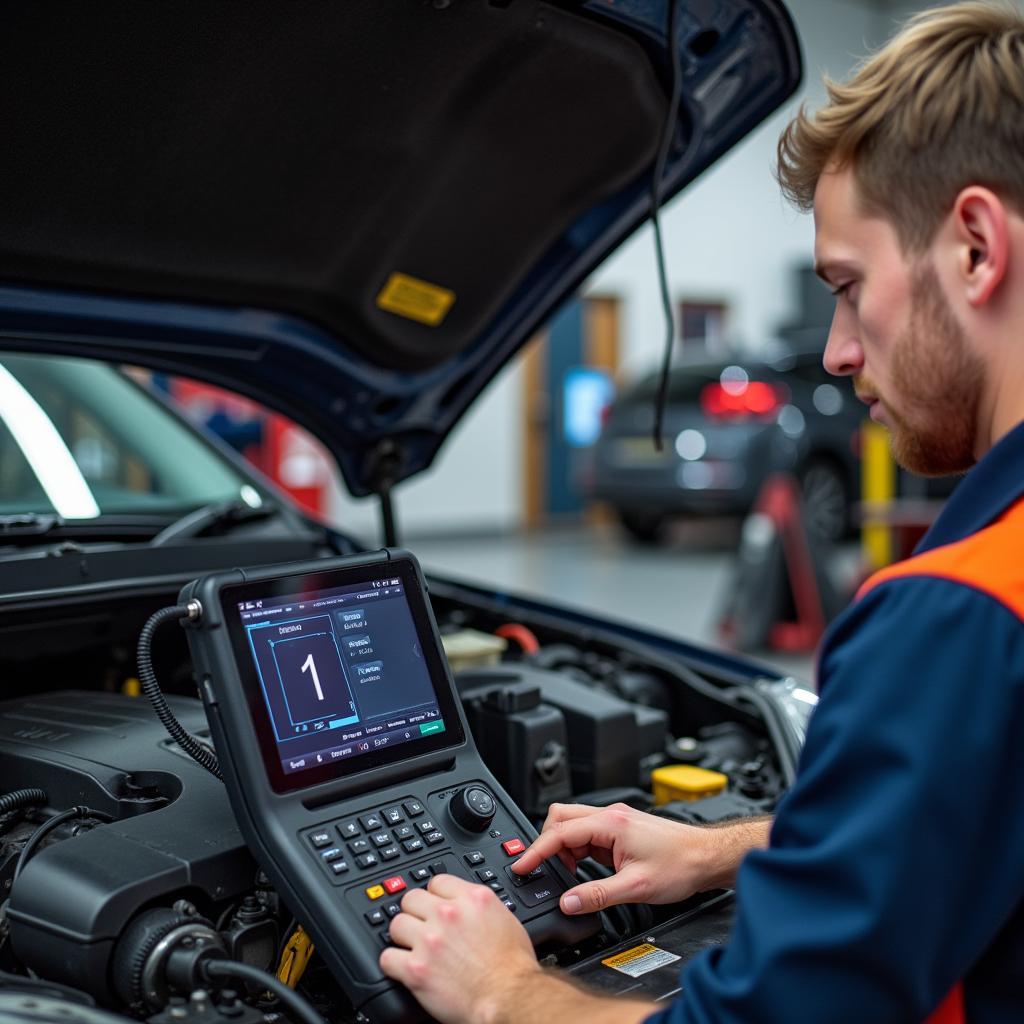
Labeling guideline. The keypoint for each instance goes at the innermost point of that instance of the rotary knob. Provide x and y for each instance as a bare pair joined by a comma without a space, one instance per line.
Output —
473,808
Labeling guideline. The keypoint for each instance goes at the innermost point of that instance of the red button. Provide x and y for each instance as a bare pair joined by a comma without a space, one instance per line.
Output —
393,885
513,847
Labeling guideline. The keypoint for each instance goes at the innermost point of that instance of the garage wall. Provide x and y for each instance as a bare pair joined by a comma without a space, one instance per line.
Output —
729,237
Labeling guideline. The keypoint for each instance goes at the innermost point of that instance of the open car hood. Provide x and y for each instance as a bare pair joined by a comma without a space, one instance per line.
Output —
353,212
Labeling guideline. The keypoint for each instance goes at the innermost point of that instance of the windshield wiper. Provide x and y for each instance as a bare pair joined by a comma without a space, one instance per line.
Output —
28,524
206,517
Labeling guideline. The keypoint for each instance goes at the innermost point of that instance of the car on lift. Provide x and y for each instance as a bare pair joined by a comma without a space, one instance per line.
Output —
730,423
354,214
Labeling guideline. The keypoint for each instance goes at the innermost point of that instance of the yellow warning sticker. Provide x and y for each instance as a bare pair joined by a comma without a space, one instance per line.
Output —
415,299
640,959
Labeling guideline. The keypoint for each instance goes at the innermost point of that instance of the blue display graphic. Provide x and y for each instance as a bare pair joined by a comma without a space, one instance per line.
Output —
304,680
342,672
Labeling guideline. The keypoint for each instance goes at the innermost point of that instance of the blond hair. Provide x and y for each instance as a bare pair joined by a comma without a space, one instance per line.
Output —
938,108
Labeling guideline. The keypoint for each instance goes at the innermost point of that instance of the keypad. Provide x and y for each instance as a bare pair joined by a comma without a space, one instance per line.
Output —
374,837
370,856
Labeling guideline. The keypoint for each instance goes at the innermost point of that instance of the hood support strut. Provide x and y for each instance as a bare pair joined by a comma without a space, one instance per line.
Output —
387,462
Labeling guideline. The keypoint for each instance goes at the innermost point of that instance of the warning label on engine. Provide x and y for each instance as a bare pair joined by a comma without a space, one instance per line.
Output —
414,299
640,960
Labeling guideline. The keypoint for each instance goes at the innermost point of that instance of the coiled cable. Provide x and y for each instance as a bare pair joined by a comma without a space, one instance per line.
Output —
19,798
151,688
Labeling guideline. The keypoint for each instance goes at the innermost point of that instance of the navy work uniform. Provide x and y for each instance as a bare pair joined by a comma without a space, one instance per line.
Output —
893,889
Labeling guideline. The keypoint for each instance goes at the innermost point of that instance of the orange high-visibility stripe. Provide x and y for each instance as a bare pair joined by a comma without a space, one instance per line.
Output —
991,560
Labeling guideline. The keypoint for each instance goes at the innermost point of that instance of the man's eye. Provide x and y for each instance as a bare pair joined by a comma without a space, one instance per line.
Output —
840,289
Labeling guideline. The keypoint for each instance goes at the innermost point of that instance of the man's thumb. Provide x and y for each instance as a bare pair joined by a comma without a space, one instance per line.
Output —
593,896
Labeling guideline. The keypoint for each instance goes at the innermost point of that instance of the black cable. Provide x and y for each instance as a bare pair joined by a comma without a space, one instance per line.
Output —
291,1000
19,798
667,134
151,688
47,827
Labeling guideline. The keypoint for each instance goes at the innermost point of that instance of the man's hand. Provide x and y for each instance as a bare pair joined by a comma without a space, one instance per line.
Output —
469,961
464,953
655,860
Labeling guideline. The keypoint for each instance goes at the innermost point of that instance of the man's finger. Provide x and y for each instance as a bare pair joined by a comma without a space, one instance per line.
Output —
417,902
404,928
448,886
394,962
565,812
570,834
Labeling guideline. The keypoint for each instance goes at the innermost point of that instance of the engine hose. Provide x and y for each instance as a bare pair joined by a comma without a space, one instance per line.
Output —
48,826
151,688
297,1006
19,798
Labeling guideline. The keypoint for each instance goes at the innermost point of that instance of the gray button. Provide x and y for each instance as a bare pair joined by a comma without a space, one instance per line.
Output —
539,892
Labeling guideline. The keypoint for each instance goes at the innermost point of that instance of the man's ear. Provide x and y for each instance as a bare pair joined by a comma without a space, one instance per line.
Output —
983,242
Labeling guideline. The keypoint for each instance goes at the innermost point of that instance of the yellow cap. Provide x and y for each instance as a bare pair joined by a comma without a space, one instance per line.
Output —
685,782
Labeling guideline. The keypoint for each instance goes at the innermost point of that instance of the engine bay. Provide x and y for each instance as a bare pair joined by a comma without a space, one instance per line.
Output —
147,847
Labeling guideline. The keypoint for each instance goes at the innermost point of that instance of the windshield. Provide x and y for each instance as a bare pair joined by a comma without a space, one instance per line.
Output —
79,439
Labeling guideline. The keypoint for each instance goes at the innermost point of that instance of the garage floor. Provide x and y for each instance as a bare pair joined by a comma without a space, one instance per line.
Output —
678,588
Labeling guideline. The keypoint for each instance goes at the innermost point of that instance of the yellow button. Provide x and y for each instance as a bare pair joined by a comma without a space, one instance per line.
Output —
375,892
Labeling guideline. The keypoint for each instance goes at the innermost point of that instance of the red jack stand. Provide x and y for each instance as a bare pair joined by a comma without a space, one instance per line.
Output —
781,597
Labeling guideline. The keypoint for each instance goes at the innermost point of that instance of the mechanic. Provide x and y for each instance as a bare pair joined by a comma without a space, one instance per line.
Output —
892,887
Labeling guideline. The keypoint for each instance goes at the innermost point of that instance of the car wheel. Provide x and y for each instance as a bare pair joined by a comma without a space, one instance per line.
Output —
826,501
643,527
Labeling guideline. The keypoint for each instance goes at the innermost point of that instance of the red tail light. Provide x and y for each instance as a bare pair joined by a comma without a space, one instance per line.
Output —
742,400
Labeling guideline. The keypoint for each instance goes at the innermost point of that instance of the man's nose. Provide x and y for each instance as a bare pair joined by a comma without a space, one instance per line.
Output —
844,356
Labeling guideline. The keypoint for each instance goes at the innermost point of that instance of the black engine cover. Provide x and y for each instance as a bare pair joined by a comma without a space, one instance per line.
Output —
174,835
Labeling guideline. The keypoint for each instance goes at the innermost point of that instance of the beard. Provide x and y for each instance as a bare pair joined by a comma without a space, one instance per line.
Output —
937,381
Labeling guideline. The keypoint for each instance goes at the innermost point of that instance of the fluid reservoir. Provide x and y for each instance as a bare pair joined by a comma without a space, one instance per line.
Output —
685,782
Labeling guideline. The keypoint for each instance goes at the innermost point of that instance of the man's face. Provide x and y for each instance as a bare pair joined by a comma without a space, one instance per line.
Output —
894,332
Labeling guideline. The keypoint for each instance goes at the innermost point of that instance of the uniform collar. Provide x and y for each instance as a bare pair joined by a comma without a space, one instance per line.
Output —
987,491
